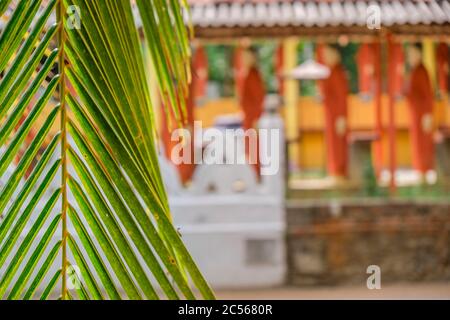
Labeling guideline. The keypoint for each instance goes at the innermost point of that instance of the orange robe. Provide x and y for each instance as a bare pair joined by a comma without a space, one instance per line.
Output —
252,104
365,59
200,69
396,59
252,99
335,92
442,59
239,69
377,87
185,170
420,99
279,68
166,131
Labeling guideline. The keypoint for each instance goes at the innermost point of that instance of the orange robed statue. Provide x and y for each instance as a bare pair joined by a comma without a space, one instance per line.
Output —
442,60
335,92
185,170
420,100
365,62
252,100
253,92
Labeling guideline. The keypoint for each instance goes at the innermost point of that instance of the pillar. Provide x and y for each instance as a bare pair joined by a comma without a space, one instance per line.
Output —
290,96
429,59
392,131
378,144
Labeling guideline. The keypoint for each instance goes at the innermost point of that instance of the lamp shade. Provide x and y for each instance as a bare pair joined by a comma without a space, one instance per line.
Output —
309,70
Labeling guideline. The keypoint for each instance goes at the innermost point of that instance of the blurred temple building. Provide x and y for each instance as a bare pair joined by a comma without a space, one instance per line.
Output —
364,87
372,39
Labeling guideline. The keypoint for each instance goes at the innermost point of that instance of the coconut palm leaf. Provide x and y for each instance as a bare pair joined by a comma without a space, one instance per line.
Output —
84,213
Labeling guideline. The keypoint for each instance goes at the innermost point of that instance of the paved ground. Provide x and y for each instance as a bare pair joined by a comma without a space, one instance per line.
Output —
394,291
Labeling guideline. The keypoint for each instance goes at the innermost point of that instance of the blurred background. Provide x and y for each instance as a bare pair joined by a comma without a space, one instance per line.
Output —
363,103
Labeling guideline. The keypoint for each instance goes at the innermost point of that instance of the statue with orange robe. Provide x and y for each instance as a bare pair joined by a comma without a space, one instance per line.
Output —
420,100
185,170
252,99
253,92
442,61
335,92
365,63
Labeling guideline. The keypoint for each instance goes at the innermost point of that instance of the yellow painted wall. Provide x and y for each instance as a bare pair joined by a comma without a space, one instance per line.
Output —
312,150
311,122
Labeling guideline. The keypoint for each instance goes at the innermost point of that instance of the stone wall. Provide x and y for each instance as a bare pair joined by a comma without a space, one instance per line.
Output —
334,242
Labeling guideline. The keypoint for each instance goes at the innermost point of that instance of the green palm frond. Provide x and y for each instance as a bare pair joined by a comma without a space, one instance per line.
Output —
84,213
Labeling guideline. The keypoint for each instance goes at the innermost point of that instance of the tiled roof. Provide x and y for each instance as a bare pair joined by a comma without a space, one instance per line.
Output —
282,13
217,15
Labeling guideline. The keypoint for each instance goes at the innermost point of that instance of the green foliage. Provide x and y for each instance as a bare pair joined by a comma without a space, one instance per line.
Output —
266,52
304,52
370,183
220,68
109,216
348,53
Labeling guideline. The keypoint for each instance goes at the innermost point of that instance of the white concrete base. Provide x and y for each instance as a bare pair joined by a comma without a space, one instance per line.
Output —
237,241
